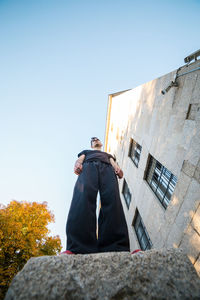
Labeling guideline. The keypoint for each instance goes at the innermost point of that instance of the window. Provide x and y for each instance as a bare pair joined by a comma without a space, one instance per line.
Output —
161,180
141,232
126,193
134,152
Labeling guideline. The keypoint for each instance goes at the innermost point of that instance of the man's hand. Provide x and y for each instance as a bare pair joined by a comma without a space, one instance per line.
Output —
117,169
119,172
79,165
78,168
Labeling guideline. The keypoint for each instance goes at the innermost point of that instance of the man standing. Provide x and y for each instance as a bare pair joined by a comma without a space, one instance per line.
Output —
97,171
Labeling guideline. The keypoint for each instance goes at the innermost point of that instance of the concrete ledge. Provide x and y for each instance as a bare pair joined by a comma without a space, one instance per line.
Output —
154,274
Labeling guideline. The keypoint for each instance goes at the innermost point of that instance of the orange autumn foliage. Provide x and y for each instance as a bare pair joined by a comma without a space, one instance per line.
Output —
24,234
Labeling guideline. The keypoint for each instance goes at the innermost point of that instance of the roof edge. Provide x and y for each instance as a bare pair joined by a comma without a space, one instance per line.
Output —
118,93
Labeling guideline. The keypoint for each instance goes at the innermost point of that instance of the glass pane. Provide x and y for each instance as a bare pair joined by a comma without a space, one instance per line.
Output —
137,221
165,202
137,155
144,242
126,193
160,194
134,152
140,232
148,247
136,160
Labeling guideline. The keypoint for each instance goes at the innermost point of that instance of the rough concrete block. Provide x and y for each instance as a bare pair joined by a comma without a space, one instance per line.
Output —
187,90
191,243
176,161
152,223
177,94
174,237
164,233
178,197
197,266
158,241
188,132
193,153
189,206
153,274
188,168
196,91
193,111
197,174
175,125
134,244
181,188
197,116
196,220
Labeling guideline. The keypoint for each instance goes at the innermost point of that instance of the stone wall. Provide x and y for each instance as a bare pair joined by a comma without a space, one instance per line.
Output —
167,127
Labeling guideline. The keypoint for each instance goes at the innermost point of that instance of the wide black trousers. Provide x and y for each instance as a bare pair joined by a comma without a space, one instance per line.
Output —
81,222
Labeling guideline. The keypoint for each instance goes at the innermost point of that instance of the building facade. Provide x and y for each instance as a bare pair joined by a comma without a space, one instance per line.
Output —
154,133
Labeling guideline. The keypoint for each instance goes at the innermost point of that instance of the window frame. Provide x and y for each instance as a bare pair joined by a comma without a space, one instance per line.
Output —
135,151
161,180
141,232
127,200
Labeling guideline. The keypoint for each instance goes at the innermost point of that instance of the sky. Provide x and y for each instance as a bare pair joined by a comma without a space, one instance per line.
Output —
59,61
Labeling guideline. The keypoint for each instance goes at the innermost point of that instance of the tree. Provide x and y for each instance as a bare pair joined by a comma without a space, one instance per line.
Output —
24,234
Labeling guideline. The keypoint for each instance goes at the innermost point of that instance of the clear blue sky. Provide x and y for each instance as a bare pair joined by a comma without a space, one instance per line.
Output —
59,60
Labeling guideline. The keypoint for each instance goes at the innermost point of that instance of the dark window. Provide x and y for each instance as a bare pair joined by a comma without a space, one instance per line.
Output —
141,232
126,193
134,152
161,180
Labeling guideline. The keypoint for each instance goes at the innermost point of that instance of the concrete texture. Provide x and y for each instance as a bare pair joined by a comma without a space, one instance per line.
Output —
191,243
163,274
188,168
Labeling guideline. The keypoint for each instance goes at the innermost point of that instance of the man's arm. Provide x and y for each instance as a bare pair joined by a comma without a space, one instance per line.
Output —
117,169
79,165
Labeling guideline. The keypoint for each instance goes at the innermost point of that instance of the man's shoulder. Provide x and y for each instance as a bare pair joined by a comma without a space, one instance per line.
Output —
85,152
110,155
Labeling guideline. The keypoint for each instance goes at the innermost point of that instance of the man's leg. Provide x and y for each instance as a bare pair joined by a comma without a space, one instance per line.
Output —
81,222
112,231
